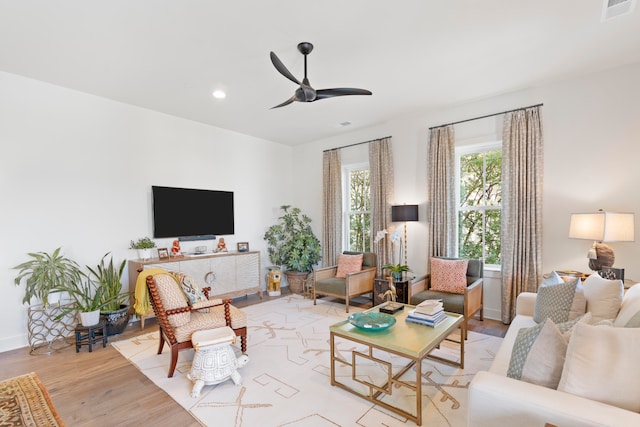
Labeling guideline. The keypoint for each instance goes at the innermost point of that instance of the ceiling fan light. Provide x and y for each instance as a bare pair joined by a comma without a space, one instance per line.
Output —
219,94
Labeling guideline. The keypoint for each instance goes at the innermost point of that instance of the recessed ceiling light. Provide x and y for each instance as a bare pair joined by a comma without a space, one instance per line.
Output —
219,94
345,124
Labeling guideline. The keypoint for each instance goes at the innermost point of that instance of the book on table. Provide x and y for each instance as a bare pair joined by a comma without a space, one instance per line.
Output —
426,319
430,306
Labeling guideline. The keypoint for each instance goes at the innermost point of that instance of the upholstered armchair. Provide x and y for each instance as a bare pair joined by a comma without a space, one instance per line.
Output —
182,310
348,279
458,286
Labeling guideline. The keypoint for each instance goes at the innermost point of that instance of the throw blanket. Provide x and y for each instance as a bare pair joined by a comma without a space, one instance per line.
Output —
142,304
25,402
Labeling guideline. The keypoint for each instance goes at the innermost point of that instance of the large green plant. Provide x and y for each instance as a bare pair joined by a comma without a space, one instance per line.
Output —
108,278
291,241
46,273
86,295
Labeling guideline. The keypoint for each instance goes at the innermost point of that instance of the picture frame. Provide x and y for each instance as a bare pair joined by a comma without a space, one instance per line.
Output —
612,273
243,246
163,253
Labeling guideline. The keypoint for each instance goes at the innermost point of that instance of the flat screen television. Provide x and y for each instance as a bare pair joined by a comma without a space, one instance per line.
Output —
192,213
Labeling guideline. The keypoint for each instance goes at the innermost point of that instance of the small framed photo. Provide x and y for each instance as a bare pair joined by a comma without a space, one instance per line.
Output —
243,246
163,253
612,273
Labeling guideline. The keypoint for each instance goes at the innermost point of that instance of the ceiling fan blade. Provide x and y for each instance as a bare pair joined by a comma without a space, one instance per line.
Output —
342,91
282,69
287,102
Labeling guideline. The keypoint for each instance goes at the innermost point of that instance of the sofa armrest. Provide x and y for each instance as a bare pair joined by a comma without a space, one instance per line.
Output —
496,401
525,303
360,281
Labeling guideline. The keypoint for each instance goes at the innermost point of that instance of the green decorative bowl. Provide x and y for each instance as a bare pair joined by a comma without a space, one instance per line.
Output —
372,321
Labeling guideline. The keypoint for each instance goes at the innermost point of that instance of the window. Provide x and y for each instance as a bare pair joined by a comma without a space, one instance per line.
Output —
357,210
479,179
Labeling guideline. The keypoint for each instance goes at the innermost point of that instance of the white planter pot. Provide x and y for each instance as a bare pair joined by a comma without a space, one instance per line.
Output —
90,318
145,253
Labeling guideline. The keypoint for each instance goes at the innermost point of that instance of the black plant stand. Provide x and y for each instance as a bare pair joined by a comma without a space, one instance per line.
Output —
89,335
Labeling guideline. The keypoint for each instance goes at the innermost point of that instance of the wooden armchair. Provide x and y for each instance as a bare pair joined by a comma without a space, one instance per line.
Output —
468,303
178,319
326,283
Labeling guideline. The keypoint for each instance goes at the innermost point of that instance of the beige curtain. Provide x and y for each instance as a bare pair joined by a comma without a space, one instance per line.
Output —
331,207
521,226
441,208
381,181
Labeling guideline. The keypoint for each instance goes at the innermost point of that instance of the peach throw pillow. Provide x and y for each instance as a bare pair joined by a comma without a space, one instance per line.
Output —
348,264
449,275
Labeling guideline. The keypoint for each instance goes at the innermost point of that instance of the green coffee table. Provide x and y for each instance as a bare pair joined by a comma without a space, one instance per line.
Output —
407,340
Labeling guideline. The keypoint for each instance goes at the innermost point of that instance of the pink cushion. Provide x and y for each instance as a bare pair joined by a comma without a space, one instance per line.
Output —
348,264
449,275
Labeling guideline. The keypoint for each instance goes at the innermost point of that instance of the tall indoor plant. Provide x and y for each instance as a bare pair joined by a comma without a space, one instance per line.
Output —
108,277
292,244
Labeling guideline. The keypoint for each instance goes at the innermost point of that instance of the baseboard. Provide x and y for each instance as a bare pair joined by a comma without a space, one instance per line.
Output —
14,342
492,314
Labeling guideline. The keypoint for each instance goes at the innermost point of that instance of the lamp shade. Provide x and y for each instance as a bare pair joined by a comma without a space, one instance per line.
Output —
603,226
401,213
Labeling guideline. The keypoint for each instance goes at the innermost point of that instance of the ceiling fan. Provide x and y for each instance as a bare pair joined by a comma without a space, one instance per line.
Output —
305,93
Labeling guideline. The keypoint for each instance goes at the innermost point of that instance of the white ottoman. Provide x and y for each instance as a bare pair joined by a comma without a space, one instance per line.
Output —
214,360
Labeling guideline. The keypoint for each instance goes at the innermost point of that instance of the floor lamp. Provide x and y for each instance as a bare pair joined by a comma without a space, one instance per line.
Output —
404,213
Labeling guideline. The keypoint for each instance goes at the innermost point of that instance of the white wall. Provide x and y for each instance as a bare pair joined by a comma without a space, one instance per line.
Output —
592,143
76,171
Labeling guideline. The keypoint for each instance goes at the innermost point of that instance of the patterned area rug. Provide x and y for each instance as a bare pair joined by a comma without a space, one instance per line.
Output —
287,379
25,402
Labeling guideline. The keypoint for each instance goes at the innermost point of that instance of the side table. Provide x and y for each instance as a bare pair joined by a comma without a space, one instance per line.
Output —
381,285
89,335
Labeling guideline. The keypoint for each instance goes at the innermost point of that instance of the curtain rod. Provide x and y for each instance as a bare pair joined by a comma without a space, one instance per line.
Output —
357,143
484,117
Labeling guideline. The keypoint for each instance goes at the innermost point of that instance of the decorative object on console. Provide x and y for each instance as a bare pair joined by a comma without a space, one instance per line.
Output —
222,246
404,213
175,249
602,227
143,246
163,253
243,246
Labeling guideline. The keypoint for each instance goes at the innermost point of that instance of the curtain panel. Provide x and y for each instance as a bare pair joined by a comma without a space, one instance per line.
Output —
521,227
441,208
381,182
331,207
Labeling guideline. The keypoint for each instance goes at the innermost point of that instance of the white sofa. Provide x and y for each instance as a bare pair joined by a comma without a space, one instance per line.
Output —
496,400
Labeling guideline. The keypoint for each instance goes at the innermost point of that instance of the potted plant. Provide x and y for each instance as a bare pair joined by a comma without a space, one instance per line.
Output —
45,274
292,244
88,299
396,270
108,277
144,246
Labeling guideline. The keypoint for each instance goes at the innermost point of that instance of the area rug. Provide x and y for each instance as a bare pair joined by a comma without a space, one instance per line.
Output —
287,379
25,402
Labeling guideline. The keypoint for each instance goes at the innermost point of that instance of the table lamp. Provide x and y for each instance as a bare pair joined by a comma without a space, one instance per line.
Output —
404,213
602,227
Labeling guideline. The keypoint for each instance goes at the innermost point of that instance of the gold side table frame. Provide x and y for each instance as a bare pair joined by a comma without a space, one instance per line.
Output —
407,340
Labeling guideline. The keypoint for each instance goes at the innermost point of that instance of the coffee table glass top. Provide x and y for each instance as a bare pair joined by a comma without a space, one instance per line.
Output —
407,338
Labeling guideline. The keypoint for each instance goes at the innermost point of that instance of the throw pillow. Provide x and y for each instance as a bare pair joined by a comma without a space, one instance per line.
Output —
449,275
559,302
602,364
538,352
190,288
604,297
629,315
348,264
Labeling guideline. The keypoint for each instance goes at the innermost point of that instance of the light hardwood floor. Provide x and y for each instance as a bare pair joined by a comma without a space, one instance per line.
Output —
103,389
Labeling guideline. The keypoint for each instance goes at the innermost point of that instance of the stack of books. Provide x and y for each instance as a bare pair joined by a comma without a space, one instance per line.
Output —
429,313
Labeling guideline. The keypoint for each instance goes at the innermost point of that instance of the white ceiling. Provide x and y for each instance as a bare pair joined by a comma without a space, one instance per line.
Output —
414,55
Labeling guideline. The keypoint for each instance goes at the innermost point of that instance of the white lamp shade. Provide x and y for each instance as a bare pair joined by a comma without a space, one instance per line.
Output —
603,226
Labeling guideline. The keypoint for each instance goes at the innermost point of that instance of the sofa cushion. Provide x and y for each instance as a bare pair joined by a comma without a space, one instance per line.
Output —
629,315
559,302
538,352
601,364
604,297
348,264
449,275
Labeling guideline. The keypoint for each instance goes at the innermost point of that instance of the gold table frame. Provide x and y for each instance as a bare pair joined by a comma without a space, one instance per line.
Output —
405,339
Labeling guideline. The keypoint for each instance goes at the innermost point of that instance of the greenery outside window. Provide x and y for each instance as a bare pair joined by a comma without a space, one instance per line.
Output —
357,209
479,185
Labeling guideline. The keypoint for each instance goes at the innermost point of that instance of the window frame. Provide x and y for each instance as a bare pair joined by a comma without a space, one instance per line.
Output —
459,152
346,187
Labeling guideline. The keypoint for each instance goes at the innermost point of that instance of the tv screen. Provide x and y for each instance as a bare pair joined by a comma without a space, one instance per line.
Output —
186,212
